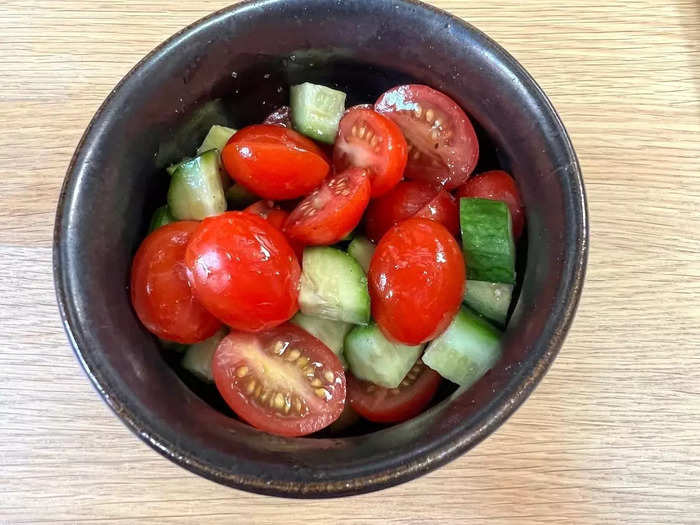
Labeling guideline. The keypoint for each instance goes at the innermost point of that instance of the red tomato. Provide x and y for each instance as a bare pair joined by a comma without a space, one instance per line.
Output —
277,217
369,140
384,405
280,117
411,199
244,271
416,281
332,211
159,290
442,144
274,162
498,186
283,381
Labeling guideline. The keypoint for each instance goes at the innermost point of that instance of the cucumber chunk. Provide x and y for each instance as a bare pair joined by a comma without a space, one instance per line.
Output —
172,345
216,138
487,240
374,358
197,359
491,300
466,350
362,249
161,217
316,111
173,167
333,286
195,189
239,197
331,333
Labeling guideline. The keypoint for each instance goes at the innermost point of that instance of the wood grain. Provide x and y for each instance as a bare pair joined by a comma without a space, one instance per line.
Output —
613,432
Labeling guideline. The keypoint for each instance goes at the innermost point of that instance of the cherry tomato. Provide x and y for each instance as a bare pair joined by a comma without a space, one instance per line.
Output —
442,145
244,271
411,199
332,211
369,140
282,116
384,405
277,217
274,162
499,186
283,380
159,290
416,281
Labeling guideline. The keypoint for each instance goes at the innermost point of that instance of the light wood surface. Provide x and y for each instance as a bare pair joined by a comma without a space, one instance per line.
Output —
613,432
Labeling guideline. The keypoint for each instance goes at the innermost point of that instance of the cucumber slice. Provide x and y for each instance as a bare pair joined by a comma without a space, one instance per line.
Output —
161,217
173,167
491,300
197,359
466,350
195,189
487,240
374,358
333,286
316,111
362,249
331,333
172,345
216,138
239,198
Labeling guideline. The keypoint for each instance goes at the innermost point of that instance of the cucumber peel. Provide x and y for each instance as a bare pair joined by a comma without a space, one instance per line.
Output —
161,217
196,191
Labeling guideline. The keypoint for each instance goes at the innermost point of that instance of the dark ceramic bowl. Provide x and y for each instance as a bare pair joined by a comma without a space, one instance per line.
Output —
234,67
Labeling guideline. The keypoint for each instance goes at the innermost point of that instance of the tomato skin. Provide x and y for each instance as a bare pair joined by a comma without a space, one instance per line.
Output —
416,281
442,144
243,270
411,199
274,162
160,293
369,140
277,217
269,352
499,186
384,405
332,211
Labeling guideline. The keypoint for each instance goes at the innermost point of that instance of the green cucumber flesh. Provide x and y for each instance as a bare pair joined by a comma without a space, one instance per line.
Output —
316,111
239,197
374,358
216,138
487,240
466,350
362,249
161,217
197,358
331,333
196,191
333,286
173,167
491,300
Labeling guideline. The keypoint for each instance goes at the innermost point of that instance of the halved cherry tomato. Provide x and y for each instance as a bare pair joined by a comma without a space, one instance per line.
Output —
411,199
277,217
416,281
442,144
497,185
282,116
332,211
274,162
369,140
243,270
159,290
384,405
283,381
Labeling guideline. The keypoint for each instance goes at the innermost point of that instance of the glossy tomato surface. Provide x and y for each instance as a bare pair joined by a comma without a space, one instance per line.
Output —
332,211
498,185
244,271
283,381
369,140
160,293
416,281
393,405
442,144
274,162
277,217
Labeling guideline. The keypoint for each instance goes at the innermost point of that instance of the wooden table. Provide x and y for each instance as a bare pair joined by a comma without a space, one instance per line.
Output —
613,432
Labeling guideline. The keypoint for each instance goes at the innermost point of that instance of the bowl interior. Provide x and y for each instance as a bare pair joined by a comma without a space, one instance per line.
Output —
234,68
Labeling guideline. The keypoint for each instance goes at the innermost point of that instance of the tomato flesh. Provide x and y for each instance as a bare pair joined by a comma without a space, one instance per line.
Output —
416,281
369,140
274,162
393,405
160,293
442,144
283,381
243,270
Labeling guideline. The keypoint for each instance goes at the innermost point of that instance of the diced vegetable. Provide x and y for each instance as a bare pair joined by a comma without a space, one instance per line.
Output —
195,190
466,350
197,359
161,217
362,249
491,300
238,197
173,167
487,240
316,111
331,333
172,345
216,138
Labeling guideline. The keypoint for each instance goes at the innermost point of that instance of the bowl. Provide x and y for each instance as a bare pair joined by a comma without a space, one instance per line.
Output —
233,67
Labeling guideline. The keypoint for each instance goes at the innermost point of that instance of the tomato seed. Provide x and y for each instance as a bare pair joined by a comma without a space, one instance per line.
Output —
242,371
328,375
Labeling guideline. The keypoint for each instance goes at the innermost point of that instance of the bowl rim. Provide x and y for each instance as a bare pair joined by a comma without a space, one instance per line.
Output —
425,461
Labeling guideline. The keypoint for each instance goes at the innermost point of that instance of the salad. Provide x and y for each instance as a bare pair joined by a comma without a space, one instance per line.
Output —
331,264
